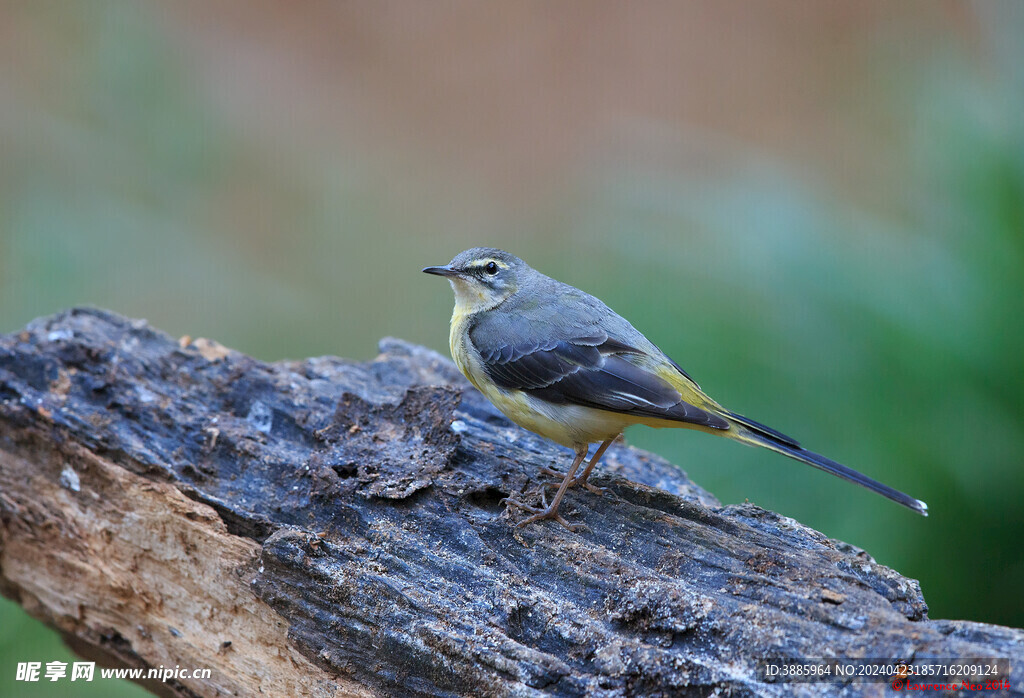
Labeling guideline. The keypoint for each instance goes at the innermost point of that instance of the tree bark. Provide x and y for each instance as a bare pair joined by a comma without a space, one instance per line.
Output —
328,527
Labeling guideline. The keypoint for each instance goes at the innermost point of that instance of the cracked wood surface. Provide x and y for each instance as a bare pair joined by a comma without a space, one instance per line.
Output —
330,527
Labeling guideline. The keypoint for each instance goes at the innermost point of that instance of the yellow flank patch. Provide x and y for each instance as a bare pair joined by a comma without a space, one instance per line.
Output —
568,425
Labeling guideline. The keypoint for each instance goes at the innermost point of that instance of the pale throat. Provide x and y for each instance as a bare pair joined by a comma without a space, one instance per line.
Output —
472,298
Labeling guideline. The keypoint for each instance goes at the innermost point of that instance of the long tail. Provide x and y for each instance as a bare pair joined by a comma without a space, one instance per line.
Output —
760,435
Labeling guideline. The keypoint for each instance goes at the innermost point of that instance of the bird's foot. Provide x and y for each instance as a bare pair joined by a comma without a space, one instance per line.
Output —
540,513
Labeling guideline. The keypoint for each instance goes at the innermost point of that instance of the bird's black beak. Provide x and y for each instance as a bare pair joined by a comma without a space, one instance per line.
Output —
446,270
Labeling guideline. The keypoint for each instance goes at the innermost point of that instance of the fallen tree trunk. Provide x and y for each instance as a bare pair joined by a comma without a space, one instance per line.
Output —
327,527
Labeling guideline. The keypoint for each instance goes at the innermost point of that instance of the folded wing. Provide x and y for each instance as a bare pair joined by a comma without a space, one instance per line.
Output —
592,370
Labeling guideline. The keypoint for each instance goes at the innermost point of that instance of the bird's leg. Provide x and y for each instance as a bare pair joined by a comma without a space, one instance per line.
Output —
551,511
582,479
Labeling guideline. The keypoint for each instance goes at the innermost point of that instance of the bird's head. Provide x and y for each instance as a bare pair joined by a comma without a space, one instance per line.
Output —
482,277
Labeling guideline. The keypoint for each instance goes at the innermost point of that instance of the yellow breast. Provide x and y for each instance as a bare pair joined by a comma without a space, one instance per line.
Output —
458,338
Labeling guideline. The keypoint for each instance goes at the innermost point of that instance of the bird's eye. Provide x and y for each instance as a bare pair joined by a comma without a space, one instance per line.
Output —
491,268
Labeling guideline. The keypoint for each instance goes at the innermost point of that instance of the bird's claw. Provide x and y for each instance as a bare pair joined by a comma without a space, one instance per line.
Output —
509,502
550,513
540,513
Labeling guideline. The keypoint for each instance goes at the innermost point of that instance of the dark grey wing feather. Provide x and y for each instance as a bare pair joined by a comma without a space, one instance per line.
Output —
564,346
591,370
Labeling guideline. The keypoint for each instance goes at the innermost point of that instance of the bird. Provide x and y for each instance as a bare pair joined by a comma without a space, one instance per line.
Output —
560,363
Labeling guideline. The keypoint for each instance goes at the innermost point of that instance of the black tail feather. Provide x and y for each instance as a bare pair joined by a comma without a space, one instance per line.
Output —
769,438
765,431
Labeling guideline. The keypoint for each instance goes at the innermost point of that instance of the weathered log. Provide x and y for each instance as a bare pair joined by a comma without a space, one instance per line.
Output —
329,527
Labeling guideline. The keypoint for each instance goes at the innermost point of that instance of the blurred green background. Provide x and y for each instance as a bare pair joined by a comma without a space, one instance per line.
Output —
816,208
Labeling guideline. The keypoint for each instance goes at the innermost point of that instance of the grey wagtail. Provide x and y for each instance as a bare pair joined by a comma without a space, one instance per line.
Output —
561,363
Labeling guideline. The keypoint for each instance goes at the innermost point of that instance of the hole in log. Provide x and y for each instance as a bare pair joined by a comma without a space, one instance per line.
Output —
346,470
488,498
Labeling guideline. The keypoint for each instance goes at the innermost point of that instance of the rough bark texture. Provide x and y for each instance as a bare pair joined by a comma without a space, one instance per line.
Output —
328,527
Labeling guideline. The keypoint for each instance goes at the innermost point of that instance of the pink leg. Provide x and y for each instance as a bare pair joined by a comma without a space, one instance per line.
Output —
582,479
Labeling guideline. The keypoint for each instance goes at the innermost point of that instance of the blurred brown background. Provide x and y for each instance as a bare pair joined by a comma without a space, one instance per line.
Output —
816,208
